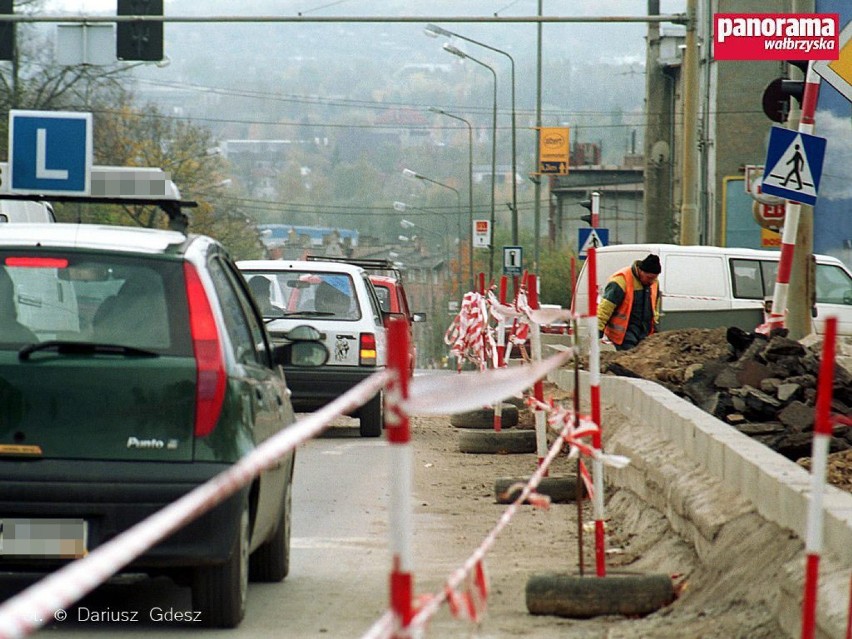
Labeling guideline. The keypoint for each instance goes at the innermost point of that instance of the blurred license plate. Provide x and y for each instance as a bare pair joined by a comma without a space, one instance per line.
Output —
48,538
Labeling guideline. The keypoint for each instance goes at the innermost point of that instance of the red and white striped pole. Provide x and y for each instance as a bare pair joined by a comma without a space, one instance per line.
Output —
501,352
595,395
538,386
792,211
399,437
819,464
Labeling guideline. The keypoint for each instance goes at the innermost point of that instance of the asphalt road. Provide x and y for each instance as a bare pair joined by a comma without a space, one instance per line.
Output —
337,586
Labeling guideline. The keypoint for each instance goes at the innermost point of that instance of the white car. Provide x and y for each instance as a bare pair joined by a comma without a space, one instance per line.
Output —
339,301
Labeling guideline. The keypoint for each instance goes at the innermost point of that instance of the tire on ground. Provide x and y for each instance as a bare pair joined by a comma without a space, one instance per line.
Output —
270,563
484,417
371,417
618,593
490,441
561,490
518,402
219,592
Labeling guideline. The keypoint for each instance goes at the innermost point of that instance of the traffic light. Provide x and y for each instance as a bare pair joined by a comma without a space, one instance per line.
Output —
7,32
587,204
776,96
138,40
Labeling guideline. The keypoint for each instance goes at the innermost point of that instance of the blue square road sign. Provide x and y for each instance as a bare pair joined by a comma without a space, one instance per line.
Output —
793,165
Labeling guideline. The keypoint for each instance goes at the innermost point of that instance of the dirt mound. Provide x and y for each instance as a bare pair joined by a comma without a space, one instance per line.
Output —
765,387
667,356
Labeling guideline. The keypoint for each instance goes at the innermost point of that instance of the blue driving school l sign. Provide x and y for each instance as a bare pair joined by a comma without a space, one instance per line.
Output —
50,152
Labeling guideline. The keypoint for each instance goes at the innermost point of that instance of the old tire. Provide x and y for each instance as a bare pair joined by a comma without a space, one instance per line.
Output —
503,442
518,402
561,490
270,563
371,417
577,597
484,417
219,592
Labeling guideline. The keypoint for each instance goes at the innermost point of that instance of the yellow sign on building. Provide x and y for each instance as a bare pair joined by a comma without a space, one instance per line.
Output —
553,146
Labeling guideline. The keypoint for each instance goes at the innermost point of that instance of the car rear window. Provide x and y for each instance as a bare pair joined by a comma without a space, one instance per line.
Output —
310,294
93,298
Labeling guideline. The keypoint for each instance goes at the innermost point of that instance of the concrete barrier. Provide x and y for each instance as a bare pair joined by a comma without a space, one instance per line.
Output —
745,477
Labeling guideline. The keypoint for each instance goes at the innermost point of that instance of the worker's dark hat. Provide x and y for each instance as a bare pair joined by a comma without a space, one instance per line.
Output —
651,264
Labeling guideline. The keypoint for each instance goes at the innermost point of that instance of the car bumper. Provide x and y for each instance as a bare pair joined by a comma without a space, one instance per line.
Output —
313,388
114,496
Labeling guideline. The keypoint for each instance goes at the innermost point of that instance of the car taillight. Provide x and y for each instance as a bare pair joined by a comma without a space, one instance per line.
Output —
367,350
210,376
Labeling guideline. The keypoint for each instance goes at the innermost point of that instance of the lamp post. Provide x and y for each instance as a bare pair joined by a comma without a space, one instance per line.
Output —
461,54
402,207
433,31
469,184
414,175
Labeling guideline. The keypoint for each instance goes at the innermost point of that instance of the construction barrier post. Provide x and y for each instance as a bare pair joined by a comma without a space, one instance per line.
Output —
595,397
538,387
501,352
819,463
401,484
792,211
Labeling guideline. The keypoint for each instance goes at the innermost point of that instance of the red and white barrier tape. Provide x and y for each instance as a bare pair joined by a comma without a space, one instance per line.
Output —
447,394
28,610
465,590
469,336
558,417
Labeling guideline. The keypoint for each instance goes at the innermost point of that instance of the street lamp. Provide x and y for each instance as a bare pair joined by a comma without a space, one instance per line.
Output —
461,54
414,175
433,31
469,184
407,224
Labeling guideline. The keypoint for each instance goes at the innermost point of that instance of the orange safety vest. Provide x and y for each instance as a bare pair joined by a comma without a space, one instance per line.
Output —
616,327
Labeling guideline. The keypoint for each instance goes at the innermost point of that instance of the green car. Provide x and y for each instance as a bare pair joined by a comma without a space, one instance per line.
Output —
135,366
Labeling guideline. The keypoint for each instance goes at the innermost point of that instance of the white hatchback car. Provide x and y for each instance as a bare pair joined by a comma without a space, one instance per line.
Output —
340,302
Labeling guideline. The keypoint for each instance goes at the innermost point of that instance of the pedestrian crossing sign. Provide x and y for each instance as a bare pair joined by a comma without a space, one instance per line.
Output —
591,237
793,165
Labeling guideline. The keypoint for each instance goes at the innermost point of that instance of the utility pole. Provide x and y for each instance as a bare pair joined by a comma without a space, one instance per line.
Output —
537,181
689,206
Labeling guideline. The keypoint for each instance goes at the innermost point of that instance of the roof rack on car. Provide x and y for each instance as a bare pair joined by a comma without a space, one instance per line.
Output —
121,185
375,265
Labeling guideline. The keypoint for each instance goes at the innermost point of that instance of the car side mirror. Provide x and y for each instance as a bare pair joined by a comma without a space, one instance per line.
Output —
387,317
418,317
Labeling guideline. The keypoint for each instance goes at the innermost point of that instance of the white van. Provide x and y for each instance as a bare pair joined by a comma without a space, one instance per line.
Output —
26,211
710,286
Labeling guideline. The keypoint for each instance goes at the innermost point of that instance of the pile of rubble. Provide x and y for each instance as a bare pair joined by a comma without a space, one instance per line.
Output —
765,387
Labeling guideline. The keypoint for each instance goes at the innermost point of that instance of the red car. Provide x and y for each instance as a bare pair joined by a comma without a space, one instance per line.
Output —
388,282
393,299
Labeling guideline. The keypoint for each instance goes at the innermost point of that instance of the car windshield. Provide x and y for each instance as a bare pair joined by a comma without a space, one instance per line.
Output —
92,299
309,294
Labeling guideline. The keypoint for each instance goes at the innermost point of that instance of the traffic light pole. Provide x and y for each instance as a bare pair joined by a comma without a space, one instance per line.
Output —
793,210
